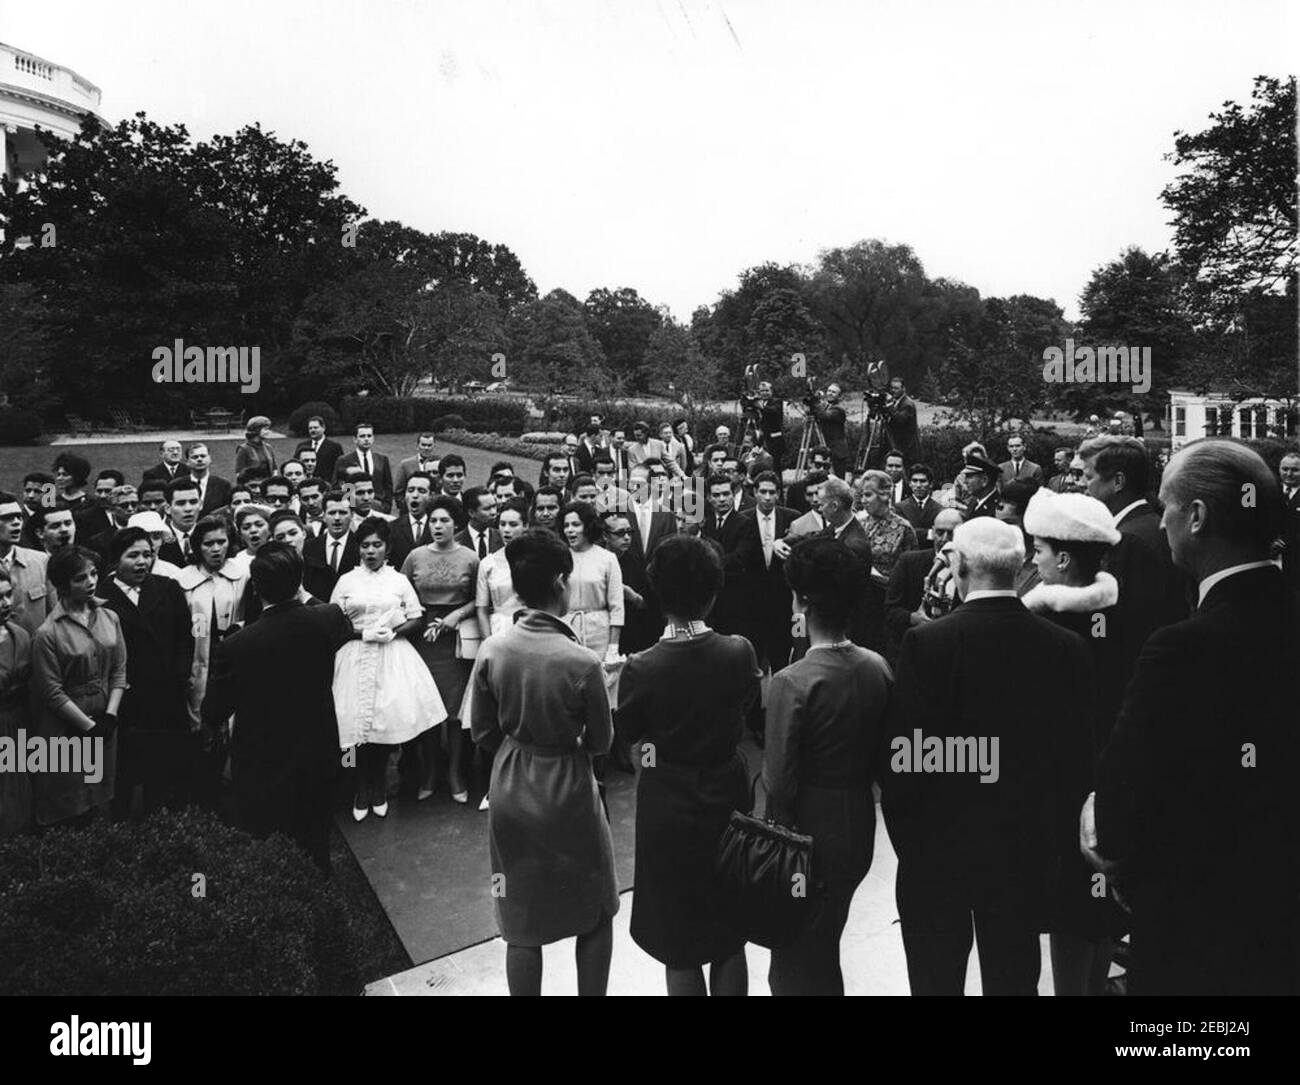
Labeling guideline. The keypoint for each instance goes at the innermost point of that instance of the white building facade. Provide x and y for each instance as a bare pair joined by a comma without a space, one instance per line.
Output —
1192,415
35,92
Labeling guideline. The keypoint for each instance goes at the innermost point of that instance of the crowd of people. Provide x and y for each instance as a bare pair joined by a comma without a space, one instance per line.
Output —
1117,634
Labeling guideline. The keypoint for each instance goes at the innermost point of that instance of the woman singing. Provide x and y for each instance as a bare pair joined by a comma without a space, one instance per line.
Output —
383,692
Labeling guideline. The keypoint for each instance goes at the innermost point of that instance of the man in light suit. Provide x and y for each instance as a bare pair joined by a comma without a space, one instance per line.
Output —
26,567
1017,468
328,451
1197,812
365,460
423,460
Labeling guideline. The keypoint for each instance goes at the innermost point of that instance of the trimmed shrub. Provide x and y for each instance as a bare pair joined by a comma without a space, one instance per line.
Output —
298,420
19,427
492,442
112,910
446,422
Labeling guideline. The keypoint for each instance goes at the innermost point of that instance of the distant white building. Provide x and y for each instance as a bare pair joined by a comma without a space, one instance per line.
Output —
38,93
1192,415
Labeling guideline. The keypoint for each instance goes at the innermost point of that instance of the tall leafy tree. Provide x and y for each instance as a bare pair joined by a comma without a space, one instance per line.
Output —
623,323
553,352
727,332
1234,208
675,365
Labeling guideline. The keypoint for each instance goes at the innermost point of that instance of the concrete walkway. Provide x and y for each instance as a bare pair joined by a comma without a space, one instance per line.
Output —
185,436
871,954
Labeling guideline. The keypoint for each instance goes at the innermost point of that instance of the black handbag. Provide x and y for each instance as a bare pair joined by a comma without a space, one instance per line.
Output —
765,886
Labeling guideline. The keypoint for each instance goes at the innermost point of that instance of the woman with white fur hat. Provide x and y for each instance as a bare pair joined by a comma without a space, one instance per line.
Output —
1072,535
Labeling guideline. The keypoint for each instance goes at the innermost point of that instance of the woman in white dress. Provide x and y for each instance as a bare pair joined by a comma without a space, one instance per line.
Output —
596,583
383,692
495,599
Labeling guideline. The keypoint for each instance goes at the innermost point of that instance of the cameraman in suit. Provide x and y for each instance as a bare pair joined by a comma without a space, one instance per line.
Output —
901,429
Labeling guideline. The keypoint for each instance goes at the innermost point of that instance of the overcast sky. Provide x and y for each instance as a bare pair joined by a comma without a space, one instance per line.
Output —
669,144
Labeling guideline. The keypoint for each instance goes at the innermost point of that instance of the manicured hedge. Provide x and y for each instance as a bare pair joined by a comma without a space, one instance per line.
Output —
298,420
390,414
115,909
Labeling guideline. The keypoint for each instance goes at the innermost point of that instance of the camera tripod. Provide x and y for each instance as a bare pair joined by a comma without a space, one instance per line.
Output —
812,438
873,437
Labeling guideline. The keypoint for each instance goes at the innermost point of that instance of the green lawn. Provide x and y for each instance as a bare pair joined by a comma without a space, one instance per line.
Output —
133,458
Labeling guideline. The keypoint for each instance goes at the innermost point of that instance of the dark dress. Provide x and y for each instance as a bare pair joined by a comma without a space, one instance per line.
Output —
685,699
825,719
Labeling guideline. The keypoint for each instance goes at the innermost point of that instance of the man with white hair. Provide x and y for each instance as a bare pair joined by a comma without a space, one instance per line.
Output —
1197,812
979,841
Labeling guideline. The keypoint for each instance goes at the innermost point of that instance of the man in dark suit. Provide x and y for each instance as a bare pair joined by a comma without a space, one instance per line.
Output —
649,525
423,460
901,429
480,533
1197,812
411,528
731,613
835,502
588,447
125,503
1152,593
365,460
328,451
170,466
214,491
284,749
334,551
906,590
184,505
919,509
1017,468
764,572
156,748
983,789
1288,470
643,622
742,490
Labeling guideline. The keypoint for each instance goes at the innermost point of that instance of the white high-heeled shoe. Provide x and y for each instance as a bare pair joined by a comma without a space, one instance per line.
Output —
360,814
380,811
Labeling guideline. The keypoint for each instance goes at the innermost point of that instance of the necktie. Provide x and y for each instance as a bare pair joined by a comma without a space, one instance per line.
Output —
366,464
335,547
766,521
185,546
482,545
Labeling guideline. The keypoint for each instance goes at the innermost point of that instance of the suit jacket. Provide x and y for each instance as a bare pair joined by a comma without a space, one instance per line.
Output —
95,529
902,432
1029,472
904,594
982,506
953,833
327,456
494,540
1200,775
216,495
285,731
662,524
159,653
1152,593
732,609
921,517
171,549
383,475
641,627
403,541
317,576
405,470
1291,536
159,471
1057,483
767,581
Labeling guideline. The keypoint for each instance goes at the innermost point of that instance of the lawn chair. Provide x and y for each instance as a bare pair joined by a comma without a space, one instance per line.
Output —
79,426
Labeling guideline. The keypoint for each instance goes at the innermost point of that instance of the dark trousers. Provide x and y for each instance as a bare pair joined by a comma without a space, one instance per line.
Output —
274,799
937,919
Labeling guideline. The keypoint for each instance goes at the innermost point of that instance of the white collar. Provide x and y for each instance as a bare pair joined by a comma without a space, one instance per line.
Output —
1127,509
1223,574
694,628
130,592
991,593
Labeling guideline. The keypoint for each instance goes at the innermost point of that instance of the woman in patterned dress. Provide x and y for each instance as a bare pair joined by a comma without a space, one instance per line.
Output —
445,575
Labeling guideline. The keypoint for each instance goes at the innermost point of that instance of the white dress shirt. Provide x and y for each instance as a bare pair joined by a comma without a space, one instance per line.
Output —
992,593
131,593
767,532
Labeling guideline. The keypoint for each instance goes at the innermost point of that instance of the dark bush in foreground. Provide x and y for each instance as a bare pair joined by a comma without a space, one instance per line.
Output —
298,420
117,910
